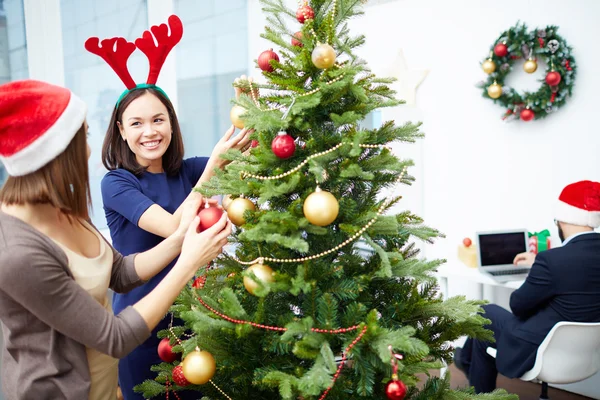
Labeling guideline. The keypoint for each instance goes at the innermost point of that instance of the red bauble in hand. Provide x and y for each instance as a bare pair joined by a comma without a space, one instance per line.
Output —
527,115
395,390
165,351
553,78
178,377
467,242
305,12
208,217
500,50
265,58
283,145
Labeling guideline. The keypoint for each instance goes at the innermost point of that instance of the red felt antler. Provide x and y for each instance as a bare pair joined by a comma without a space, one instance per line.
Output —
157,54
116,57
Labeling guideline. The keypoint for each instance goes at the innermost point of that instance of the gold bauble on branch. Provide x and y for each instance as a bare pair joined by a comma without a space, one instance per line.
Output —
199,367
530,66
323,56
263,273
494,90
236,209
488,66
321,208
226,201
235,113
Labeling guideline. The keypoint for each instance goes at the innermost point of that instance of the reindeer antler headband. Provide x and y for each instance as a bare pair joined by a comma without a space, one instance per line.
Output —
116,52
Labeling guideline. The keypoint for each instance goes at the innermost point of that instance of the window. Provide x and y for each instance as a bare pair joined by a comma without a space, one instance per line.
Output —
88,76
211,54
13,47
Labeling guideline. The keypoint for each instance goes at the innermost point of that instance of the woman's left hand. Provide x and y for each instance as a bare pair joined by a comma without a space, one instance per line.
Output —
240,142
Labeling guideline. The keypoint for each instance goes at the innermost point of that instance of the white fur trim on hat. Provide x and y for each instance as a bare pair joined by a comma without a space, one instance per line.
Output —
49,145
576,216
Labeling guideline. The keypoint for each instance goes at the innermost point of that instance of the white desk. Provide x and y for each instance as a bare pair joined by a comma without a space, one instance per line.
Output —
458,270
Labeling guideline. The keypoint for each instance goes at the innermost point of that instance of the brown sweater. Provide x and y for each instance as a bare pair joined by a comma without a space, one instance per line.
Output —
48,320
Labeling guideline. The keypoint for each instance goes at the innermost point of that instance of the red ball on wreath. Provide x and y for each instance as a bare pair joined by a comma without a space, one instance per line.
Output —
254,143
500,50
395,390
305,12
208,217
265,58
283,145
297,39
165,351
178,377
527,115
553,78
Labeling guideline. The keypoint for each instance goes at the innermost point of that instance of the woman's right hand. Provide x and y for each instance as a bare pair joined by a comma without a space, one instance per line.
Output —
199,248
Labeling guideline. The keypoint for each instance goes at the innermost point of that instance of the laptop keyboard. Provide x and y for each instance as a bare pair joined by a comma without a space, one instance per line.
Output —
515,271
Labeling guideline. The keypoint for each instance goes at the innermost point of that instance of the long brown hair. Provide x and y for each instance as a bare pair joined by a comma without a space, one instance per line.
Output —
63,182
117,154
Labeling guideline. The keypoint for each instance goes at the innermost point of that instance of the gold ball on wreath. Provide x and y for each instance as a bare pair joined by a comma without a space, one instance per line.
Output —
494,90
235,114
323,56
488,66
530,66
321,208
263,273
236,209
199,367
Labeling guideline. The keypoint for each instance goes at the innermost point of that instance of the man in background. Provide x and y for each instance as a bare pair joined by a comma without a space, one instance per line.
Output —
563,285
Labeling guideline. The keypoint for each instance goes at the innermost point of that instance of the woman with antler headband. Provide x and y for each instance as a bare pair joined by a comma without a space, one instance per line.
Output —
148,179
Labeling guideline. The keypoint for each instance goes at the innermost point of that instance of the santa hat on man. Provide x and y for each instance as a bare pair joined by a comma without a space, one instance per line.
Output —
579,204
38,120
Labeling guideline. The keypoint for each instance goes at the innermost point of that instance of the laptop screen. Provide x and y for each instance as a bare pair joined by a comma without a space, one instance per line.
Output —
501,248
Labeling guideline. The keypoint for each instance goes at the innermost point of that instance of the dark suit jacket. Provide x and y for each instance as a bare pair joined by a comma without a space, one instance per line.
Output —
563,285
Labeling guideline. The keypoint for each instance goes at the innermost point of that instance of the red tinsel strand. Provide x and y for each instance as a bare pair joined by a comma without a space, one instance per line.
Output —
168,386
339,370
507,113
552,97
515,57
541,41
273,328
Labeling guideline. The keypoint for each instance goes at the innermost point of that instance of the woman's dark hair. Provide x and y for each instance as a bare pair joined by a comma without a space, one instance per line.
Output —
117,154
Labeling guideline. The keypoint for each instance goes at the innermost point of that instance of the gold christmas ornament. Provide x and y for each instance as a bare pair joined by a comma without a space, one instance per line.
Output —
236,209
226,201
323,56
199,367
530,66
488,66
235,113
321,208
263,272
494,90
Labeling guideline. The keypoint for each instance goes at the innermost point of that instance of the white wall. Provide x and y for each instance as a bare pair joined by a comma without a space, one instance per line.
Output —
475,171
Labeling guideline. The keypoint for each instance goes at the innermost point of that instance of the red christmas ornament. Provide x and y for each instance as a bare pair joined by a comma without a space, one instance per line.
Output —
165,351
199,282
500,50
254,143
283,145
296,39
527,115
305,12
553,78
395,390
265,58
208,217
467,242
178,377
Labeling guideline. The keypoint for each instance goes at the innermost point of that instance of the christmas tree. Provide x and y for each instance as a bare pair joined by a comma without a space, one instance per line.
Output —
322,293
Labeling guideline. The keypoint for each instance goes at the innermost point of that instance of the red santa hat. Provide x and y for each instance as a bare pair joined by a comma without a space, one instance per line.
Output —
579,204
37,122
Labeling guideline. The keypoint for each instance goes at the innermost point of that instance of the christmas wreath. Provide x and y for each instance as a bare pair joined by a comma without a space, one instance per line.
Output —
544,44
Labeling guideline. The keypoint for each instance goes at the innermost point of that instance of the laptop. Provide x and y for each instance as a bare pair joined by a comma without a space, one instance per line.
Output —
496,251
